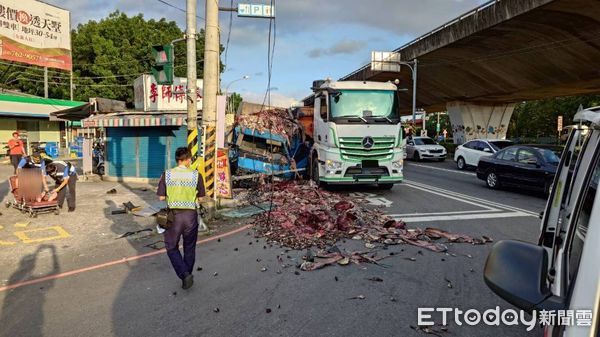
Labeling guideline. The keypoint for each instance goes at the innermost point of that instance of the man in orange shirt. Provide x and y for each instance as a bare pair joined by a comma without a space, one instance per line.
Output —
16,150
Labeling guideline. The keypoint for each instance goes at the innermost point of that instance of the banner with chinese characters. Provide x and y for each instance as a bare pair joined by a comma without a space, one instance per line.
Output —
150,96
223,175
35,33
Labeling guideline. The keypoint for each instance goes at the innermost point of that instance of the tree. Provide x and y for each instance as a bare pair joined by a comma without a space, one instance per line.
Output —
539,118
107,56
236,100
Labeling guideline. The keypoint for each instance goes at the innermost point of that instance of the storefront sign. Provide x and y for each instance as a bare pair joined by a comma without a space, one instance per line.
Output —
35,33
150,96
223,175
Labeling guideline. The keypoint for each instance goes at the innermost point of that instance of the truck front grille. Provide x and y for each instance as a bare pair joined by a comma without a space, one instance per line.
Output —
351,149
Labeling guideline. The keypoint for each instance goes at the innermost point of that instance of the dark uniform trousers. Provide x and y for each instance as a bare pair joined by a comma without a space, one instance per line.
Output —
185,225
72,192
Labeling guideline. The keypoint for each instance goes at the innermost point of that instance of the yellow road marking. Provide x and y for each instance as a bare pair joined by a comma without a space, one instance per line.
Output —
22,224
61,233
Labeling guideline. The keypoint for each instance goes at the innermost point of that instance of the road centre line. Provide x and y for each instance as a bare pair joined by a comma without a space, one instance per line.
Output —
462,217
111,263
443,169
468,197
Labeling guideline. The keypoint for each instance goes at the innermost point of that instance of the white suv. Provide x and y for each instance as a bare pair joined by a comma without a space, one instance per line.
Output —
468,154
560,274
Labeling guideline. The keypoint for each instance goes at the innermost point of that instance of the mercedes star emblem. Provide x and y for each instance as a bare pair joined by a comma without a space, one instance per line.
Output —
368,142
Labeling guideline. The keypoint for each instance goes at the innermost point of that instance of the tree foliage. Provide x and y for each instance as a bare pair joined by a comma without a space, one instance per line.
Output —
107,56
539,118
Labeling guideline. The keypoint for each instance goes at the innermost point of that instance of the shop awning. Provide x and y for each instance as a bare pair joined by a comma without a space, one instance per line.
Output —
136,119
73,114
31,106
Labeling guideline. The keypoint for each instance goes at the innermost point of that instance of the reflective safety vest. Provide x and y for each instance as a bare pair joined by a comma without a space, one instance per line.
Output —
181,188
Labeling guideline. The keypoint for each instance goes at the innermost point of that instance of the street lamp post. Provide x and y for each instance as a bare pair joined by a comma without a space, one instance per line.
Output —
245,77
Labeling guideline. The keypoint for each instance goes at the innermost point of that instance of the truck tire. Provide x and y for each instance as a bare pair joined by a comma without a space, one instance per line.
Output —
314,172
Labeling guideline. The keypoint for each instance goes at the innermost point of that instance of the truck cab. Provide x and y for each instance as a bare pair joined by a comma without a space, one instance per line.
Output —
560,274
357,136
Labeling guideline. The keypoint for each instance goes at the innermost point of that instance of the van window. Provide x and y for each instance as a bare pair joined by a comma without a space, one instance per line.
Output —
582,221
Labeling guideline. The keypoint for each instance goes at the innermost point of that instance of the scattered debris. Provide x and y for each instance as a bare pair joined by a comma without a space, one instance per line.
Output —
268,310
215,274
449,283
118,211
157,245
263,269
219,240
375,279
216,310
112,191
393,299
336,278
199,269
305,216
134,232
129,206
235,249
174,293
359,297
410,259
296,272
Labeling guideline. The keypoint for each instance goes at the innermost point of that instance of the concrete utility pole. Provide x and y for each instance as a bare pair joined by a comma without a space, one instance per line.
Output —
209,97
192,109
211,63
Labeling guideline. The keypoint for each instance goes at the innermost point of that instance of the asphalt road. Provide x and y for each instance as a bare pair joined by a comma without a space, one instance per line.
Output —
141,296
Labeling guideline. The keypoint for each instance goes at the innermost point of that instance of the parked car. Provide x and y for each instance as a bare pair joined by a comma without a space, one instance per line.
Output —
418,148
528,167
560,273
468,154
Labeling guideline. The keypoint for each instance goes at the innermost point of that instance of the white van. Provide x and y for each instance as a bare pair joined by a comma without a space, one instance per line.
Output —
560,274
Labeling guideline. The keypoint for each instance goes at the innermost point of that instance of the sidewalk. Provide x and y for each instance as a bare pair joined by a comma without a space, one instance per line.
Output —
91,234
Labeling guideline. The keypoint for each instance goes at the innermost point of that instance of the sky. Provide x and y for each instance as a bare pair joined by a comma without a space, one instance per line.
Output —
315,39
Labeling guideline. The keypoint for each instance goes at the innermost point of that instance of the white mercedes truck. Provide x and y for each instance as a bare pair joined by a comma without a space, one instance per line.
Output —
356,133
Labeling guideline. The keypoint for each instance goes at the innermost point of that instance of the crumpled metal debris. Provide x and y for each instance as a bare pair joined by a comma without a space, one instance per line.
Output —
304,216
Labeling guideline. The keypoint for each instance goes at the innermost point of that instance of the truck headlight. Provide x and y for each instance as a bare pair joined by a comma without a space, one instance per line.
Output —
397,165
331,165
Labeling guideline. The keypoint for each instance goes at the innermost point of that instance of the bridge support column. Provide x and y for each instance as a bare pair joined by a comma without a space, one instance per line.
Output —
474,120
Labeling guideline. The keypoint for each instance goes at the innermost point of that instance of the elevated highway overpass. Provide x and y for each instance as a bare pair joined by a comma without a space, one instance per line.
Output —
478,65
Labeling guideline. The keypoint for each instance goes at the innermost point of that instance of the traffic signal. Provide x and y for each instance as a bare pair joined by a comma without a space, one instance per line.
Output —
163,64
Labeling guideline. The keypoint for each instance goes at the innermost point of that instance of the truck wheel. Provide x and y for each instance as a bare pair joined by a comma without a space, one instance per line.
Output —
314,171
386,186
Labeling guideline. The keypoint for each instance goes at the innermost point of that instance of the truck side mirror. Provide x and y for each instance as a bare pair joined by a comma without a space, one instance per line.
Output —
516,271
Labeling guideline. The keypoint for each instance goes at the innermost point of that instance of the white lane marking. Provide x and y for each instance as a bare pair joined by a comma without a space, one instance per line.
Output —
443,169
447,193
462,217
372,199
438,213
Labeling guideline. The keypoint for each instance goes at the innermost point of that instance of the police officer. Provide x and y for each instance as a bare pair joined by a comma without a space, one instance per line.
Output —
65,177
181,187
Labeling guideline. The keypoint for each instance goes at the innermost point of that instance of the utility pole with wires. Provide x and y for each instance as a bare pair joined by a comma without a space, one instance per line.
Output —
192,108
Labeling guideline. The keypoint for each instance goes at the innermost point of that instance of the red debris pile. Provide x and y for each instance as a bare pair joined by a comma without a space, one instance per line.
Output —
275,121
304,216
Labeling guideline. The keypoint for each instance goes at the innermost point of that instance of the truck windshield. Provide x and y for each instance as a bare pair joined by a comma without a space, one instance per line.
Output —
378,106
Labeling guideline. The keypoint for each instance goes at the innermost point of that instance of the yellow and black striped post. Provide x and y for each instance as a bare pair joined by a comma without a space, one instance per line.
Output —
209,140
193,146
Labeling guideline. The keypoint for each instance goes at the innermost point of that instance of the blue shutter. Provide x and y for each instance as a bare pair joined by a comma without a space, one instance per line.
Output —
121,152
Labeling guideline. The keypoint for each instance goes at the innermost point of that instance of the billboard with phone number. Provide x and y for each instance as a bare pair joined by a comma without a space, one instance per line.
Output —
35,33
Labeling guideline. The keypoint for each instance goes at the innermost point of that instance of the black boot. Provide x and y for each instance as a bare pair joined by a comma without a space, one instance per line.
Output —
188,281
